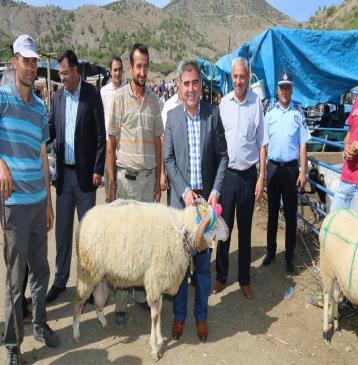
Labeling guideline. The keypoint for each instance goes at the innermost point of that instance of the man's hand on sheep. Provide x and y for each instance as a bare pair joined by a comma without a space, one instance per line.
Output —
190,198
6,186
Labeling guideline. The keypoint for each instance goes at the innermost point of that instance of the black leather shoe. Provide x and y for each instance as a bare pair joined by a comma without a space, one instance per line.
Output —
268,259
53,293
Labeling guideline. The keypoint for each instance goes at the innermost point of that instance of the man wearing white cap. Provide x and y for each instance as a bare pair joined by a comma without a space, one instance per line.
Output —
25,191
286,167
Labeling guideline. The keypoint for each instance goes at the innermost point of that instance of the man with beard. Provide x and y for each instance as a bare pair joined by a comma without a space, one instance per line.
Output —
134,149
25,190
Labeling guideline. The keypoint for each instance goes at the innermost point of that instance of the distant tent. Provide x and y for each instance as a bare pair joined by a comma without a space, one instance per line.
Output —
214,79
323,63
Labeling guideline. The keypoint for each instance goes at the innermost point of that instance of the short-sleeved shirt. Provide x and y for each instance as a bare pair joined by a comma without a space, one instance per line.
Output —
23,129
244,129
136,125
287,131
350,167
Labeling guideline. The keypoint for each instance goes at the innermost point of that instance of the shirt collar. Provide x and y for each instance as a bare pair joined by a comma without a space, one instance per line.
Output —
247,99
77,92
131,93
18,96
197,113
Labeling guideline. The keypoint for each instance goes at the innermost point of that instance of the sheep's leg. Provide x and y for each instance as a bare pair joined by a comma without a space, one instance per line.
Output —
154,312
337,297
101,317
336,327
82,293
158,328
326,334
100,295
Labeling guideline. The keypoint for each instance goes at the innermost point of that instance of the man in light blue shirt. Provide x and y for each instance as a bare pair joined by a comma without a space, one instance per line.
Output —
242,116
286,167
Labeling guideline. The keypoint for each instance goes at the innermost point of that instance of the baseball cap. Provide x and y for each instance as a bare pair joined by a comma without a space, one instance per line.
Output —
285,78
26,46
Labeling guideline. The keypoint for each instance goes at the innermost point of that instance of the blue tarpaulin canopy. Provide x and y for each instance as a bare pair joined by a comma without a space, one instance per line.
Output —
213,77
323,63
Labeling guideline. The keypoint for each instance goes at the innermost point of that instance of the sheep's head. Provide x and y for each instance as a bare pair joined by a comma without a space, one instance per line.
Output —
315,176
211,227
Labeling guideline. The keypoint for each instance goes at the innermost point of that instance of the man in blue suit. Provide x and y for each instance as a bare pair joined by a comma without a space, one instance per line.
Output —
195,157
76,125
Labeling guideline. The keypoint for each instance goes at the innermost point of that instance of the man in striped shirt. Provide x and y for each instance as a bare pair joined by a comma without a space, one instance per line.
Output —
134,148
25,190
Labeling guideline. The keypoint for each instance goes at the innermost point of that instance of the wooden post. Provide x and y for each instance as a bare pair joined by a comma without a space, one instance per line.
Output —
49,89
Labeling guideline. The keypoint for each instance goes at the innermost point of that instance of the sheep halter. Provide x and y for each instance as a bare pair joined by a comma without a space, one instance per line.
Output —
189,248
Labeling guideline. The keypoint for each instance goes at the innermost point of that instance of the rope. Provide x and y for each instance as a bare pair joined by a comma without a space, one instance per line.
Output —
188,247
8,268
183,236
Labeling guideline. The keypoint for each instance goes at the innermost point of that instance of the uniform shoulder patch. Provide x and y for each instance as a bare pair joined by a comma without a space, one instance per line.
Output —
299,109
272,106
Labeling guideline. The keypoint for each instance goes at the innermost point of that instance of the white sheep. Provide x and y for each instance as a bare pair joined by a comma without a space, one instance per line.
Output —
339,262
132,244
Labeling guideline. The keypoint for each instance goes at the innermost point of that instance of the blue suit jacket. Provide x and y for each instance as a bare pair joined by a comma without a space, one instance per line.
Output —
90,136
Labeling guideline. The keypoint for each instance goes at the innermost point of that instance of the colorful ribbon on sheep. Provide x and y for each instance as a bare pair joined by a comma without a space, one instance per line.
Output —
215,212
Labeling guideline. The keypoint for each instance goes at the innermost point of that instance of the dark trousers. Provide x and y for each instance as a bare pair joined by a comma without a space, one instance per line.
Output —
202,290
239,193
281,182
24,285
72,197
27,242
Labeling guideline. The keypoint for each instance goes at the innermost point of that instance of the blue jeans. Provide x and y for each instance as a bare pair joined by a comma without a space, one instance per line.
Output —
202,290
346,197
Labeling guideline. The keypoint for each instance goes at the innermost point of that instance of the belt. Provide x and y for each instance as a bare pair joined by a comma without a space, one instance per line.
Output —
293,163
240,171
67,166
132,175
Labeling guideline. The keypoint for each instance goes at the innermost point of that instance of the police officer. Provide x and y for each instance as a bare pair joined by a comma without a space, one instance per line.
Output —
286,167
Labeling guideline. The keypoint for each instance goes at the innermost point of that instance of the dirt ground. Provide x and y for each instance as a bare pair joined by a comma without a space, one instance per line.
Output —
266,330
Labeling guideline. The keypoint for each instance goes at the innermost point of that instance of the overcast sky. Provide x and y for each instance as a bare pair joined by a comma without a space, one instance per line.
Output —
299,10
